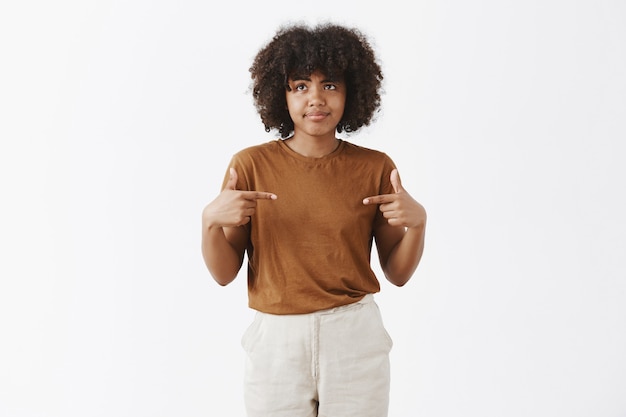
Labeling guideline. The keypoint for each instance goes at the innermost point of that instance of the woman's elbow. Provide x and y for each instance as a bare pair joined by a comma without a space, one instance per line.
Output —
398,280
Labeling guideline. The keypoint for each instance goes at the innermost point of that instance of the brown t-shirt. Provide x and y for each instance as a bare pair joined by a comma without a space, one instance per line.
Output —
310,249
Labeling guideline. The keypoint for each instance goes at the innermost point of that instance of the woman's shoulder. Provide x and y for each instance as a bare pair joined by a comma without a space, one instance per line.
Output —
261,148
365,152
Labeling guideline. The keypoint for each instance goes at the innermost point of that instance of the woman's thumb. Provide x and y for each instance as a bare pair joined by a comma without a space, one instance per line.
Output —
232,181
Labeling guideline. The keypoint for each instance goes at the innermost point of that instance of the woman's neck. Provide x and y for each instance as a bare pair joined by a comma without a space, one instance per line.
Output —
312,147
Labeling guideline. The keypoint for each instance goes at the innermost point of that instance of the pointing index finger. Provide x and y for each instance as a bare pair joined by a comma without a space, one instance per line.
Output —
260,195
378,199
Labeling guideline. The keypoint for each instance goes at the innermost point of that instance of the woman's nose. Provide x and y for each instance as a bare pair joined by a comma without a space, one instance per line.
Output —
316,97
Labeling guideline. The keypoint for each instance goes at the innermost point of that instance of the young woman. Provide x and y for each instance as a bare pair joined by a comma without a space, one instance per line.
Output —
306,209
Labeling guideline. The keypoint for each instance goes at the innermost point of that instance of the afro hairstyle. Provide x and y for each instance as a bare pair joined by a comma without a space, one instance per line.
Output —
336,51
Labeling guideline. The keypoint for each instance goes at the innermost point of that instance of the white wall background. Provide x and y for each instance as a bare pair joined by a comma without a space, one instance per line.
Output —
506,119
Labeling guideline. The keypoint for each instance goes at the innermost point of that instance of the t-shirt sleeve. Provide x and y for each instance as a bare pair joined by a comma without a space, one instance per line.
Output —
385,186
236,162
385,181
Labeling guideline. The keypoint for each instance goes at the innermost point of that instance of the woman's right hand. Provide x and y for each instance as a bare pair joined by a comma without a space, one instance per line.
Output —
232,207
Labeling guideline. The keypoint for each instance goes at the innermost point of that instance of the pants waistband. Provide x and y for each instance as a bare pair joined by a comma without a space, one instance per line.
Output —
368,298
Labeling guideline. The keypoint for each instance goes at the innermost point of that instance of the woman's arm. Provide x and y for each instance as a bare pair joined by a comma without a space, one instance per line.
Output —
400,241
400,251
224,234
223,249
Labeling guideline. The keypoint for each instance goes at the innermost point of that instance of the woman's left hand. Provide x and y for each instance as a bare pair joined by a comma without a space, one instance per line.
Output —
400,209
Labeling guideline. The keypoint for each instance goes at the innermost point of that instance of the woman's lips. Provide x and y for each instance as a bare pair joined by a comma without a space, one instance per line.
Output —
316,115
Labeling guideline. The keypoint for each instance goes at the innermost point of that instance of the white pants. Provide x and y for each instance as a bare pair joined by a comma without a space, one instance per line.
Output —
331,363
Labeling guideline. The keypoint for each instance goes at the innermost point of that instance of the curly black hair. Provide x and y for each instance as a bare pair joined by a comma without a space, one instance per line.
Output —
334,50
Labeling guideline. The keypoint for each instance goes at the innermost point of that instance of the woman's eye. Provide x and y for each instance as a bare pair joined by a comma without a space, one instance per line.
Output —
330,86
300,87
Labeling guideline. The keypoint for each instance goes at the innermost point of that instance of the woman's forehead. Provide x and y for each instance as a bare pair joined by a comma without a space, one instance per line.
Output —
307,75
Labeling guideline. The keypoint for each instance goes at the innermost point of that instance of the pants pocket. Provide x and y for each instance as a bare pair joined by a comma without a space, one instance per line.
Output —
377,321
250,335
